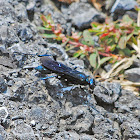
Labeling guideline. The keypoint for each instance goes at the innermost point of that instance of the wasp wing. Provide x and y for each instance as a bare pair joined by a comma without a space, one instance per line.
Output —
60,68
54,66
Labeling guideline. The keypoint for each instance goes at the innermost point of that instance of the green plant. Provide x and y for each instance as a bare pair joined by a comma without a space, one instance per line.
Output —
115,40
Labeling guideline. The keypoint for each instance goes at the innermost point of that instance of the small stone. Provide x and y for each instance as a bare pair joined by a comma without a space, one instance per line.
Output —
3,113
38,126
108,93
3,133
133,74
3,85
82,14
123,5
10,83
1,99
3,117
33,123
22,131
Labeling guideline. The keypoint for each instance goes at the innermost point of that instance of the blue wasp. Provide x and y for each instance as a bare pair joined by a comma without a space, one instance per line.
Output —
48,63
63,70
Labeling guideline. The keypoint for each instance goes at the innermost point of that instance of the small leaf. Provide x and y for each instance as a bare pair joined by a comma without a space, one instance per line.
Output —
127,19
88,38
134,40
121,52
82,56
129,36
94,24
83,42
122,42
113,47
127,51
44,20
44,28
105,59
93,60
77,54
49,35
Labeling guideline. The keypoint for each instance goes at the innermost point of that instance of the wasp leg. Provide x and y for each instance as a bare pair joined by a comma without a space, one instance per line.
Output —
45,78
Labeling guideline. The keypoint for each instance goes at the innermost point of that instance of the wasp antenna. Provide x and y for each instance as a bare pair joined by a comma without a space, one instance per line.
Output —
32,54
24,53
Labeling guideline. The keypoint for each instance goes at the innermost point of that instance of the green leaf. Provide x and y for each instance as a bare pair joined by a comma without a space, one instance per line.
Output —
105,59
136,30
94,24
134,40
133,51
88,38
117,26
76,54
113,47
43,28
121,52
93,59
83,42
49,35
127,19
127,51
95,31
82,56
122,42
129,36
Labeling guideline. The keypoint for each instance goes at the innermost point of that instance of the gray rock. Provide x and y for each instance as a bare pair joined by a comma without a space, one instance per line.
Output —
137,62
3,49
25,33
71,135
133,74
128,102
123,5
4,117
130,128
30,9
1,99
31,5
104,129
45,119
8,35
3,113
3,85
18,91
7,62
108,95
7,11
33,123
38,99
23,131
109,4
67,135
3,133
108,67
79,116
82,14
132,14
21,13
